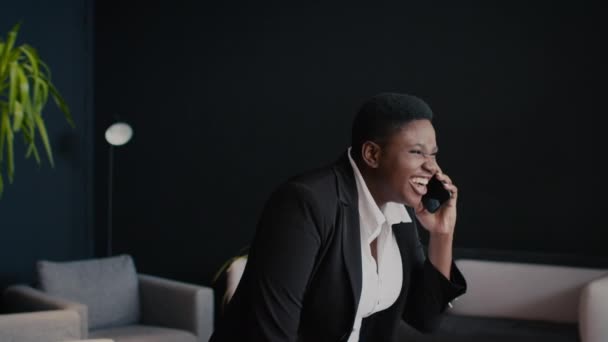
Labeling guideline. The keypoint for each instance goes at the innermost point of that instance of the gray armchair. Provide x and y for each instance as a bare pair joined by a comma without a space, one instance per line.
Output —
41,326
114,302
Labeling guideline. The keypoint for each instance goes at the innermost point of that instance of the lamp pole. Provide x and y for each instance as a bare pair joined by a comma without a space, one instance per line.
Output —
110,193
117,134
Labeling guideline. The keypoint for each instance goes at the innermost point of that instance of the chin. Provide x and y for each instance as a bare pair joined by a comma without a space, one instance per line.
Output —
411,200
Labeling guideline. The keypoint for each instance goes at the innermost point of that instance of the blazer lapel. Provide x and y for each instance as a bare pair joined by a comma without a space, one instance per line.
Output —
405,235
352,251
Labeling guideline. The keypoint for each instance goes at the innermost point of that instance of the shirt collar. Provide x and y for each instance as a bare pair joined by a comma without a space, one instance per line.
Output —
370,215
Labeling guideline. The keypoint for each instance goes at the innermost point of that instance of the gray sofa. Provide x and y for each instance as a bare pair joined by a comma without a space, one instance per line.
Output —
42,326
508,301
113,301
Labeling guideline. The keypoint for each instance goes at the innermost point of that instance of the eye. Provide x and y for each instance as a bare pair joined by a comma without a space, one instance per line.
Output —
420,153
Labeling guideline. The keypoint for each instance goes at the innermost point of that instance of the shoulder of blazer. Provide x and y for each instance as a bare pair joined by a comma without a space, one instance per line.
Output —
328,184
324,191
346,186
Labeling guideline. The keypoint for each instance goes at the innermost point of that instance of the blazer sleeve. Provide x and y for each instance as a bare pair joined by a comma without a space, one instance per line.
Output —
430,291
281,260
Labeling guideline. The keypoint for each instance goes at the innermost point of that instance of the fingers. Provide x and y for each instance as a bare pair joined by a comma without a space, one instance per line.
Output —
452,189
419,208
443,177
447,184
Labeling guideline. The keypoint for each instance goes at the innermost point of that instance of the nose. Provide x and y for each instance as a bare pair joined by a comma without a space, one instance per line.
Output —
430,165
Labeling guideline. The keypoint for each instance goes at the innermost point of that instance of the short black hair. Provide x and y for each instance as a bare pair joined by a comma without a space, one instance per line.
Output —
383,114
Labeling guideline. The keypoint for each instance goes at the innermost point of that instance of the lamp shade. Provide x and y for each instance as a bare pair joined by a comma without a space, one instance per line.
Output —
119,133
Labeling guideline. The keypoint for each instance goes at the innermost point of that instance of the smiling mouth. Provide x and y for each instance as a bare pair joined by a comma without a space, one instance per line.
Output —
419,185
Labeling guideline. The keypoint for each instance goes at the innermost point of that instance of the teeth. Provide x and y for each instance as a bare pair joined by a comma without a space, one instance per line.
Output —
420,180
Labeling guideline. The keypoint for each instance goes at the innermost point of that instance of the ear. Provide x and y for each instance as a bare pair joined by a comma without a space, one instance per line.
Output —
370,152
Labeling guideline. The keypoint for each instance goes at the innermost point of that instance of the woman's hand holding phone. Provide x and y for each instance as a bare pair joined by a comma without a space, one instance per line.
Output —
437,210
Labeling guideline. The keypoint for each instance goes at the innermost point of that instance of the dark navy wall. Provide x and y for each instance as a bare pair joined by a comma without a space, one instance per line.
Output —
47,212
228,99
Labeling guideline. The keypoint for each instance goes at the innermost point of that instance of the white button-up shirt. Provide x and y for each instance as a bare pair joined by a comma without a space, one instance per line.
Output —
381,280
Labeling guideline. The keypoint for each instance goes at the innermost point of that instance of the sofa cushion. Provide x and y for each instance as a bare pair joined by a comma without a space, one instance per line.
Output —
107,286
143,333
474,329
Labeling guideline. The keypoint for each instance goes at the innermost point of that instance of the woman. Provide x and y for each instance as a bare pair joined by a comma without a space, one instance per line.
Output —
337,257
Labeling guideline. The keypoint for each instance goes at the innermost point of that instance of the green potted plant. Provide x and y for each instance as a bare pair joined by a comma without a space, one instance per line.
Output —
25,85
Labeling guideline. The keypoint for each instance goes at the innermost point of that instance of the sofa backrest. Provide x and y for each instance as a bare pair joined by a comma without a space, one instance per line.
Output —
107,286
522,291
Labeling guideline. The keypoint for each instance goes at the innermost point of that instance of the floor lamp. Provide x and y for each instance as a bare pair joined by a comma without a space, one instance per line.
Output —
118,134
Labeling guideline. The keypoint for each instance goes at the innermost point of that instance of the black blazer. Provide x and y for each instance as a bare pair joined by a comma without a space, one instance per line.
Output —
302,281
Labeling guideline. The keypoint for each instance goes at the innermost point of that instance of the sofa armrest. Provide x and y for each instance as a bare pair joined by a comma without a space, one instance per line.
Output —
41,326
23,298
593,311
176,305
522,291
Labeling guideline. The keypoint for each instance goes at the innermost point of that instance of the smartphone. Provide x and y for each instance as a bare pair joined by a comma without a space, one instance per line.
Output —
435,195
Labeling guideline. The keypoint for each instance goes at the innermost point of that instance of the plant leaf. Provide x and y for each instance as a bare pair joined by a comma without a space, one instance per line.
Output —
27,132
49,87
45,138
8,134
3,113
2,76
42,93
41,84
33,150
61,104
12,90
24,91
18,119
8,46
28,137
32,57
